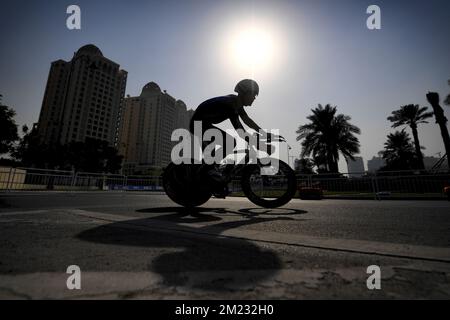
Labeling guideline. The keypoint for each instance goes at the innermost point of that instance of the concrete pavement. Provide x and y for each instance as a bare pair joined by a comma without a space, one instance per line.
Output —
138,245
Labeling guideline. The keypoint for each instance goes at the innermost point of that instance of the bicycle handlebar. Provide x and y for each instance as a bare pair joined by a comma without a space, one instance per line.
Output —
274,139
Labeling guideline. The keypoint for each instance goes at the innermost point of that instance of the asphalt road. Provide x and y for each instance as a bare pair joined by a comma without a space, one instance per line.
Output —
143,246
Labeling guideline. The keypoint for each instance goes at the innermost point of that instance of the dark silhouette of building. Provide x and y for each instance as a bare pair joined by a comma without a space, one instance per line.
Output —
147,126
375,163
83,98
355,167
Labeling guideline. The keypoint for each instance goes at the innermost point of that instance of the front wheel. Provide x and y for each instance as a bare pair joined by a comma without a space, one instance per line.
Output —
269,186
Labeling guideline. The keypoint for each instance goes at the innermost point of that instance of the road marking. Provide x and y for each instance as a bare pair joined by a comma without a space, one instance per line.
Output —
397,250
16,213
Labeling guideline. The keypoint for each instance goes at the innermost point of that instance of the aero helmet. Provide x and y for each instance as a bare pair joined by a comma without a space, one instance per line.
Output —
247,86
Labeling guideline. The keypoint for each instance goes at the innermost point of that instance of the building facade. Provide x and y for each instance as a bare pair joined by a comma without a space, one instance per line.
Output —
375,163
355,167
83,98
147,126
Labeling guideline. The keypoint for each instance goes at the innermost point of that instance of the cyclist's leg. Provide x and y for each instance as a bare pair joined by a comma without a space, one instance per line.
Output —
226,149
220,177
198,136
228,144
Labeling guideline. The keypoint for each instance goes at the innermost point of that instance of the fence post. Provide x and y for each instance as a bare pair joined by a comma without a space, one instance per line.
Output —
13,177
375,186
9,178
105,179
125,180
74,177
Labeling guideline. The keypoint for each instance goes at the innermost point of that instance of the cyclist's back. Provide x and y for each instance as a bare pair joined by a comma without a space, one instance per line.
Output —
215,110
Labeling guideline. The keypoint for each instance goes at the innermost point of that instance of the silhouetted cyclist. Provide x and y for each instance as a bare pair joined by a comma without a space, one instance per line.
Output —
219,109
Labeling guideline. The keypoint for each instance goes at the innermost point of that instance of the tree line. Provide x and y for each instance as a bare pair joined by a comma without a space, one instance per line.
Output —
91,155
328,134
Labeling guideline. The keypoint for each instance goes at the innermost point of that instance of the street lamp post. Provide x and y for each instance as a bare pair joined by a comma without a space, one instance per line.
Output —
289,157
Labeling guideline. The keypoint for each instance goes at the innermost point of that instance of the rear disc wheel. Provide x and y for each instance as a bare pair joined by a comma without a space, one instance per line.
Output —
183,185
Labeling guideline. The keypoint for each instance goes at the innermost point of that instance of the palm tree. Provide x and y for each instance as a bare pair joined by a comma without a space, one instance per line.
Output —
305,166
328,134
447,100
8,129
411,115
441,120
398,151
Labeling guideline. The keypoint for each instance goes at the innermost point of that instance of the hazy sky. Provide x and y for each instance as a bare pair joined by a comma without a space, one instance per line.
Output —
320,52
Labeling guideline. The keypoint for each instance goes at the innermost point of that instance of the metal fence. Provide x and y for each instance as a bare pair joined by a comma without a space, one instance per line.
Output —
389,184
409,184
43,179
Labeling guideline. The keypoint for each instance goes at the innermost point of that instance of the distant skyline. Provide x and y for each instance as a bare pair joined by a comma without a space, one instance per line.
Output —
321,52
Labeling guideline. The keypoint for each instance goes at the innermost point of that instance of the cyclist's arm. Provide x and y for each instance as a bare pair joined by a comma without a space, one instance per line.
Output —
236,123
249,122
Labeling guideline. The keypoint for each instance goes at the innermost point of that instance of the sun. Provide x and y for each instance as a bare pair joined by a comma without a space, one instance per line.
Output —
252,48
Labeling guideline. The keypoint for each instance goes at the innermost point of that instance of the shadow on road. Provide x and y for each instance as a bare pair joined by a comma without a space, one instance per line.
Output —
4,204
201,256
253,212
